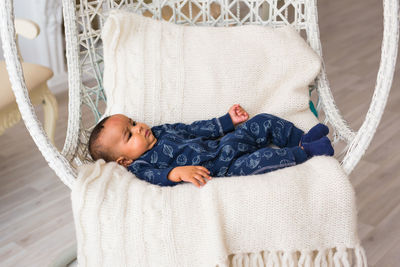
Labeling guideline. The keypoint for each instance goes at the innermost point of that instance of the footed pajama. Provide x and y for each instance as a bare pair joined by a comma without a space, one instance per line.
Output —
243,151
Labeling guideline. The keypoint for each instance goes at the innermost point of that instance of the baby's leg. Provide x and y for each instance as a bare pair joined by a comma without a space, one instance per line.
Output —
265,160
265,128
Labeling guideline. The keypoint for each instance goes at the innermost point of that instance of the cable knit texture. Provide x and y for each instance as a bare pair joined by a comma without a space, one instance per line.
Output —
303,213
158,72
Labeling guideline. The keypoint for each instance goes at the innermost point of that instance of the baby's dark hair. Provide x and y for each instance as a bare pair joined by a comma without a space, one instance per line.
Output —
96,148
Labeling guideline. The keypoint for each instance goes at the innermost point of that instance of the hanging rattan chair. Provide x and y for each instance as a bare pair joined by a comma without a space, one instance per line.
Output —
83,21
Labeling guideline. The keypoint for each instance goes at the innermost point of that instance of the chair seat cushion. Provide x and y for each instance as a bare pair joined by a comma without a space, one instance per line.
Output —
158,72
34,75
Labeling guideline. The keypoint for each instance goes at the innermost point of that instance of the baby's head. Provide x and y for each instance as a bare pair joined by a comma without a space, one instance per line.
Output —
119,138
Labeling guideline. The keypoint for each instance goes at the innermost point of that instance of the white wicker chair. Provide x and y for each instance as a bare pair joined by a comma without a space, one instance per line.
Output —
36,77
83,23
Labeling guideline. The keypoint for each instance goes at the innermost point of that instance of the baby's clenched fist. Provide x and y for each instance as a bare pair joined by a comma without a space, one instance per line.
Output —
238,114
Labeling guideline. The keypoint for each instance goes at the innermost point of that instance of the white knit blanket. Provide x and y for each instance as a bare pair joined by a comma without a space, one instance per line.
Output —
302,216
158,72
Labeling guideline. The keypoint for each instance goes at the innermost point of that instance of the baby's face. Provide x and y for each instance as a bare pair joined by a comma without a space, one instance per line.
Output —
126,139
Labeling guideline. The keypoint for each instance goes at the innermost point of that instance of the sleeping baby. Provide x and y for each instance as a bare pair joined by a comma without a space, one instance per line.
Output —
169,154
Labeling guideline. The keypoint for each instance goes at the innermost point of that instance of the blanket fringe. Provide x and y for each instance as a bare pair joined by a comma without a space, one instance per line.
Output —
333,257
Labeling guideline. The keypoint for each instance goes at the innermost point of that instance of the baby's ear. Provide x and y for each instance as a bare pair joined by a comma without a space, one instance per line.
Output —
124,161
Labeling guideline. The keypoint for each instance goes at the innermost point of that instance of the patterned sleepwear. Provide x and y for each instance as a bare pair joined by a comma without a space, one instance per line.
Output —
240,151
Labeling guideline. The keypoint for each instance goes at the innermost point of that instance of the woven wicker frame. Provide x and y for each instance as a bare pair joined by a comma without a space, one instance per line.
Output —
83,22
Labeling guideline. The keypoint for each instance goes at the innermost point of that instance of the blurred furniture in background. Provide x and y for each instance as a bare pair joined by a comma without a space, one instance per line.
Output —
36,77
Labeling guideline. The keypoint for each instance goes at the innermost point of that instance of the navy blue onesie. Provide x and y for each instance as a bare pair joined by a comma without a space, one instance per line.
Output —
240,151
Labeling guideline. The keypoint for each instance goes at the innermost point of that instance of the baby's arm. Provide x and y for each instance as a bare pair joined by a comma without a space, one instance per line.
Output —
215,127
169,176
146,171
192,174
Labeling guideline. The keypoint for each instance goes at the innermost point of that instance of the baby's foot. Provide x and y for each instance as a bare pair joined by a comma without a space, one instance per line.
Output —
320,147
315,133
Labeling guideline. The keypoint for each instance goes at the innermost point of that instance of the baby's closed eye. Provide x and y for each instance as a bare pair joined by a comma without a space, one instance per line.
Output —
133,124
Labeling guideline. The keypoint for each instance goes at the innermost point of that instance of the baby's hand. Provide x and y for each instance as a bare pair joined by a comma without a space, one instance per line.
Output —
238,114
192,174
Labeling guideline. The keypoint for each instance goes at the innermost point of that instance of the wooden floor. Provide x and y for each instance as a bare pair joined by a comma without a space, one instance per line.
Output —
35,212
